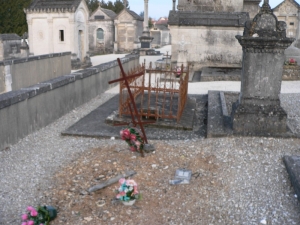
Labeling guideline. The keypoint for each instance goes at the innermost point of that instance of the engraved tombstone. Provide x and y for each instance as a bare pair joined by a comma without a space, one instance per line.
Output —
258,110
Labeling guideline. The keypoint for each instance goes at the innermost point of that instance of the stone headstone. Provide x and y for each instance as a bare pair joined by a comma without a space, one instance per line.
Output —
258,110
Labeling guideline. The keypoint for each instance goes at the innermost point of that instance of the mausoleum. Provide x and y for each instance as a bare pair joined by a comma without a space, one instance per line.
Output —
101,31
58,26
203,32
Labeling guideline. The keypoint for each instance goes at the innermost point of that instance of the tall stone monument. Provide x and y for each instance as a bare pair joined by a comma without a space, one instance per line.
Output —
145,39
258,110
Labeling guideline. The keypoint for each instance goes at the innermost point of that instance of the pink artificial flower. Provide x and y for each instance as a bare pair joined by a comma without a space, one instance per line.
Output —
138,144
24,217
24,223
126,133
135,191
30,208
131,183
133,148
133,137
121,194
41,224
122,180
292,60
33,213
30,222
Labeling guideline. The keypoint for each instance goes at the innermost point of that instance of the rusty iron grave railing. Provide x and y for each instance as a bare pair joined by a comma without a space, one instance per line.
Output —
159,93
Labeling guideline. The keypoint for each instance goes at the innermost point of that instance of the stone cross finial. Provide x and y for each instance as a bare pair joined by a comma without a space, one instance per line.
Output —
125,3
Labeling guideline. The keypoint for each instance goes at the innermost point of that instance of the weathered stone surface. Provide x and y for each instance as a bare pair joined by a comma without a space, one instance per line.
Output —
187,18
258,111
291,72
59,81
292,164
219,126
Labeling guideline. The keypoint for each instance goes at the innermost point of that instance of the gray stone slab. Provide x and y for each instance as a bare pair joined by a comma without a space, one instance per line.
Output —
218,124
215,126
219,74
197,18
292,164
93,124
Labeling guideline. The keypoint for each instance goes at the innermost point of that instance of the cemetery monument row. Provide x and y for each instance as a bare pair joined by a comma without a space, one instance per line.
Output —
258,110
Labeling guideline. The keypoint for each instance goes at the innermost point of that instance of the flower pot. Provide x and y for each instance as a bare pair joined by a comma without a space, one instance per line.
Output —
129,203
52,211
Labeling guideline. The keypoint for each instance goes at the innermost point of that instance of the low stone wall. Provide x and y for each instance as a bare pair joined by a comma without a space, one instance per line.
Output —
291,72
28,109
24,72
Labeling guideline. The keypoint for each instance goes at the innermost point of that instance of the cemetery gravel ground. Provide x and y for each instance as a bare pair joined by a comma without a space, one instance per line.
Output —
238,180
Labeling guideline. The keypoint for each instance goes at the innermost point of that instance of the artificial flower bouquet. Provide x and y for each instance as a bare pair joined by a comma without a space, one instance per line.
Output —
291,61
40,216
127,191
133,138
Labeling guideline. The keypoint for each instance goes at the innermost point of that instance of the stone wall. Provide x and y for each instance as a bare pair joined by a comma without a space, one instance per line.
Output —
29,109
291,72
211,6
24,72
10,49
207,47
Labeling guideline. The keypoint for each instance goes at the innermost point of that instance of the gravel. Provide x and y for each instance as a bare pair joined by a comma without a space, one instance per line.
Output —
256,190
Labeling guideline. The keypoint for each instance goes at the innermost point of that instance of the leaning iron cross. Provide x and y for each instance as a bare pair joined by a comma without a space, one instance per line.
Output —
135,113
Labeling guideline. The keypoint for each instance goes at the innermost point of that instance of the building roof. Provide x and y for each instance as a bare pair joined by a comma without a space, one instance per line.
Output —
5,37
135,16
162,26
162,20
109,13
68,5
293,1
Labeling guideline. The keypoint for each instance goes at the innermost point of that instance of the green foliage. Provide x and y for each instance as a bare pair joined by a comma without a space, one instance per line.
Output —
92,5
150,23
12,16
116,6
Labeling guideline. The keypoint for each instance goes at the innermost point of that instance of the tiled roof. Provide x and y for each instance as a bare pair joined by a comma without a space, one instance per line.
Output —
296,3
135,16
109,13
54,4
13,36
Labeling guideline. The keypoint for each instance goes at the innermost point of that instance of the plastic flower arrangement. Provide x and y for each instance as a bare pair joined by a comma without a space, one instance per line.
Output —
39,216
128,190
291,61
133,138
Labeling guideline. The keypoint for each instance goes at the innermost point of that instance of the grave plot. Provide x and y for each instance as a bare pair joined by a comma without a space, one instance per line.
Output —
159,95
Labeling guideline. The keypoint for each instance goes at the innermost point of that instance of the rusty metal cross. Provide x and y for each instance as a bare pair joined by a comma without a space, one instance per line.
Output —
135,113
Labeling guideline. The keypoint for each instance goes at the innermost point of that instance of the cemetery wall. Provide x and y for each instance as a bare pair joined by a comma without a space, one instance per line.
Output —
25,72
207,46
29,109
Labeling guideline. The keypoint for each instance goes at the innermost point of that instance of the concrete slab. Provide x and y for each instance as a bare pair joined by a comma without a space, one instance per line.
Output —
292,164
220,74
93,124
218,124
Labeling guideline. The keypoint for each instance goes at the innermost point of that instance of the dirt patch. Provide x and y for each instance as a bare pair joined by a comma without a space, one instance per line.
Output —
161,202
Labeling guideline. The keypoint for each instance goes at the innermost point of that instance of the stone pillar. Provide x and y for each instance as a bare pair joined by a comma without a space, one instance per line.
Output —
258,110
146,28
116,38
174,1
145,39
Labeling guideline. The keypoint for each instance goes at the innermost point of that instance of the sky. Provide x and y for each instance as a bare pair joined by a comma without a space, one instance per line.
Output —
160,8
